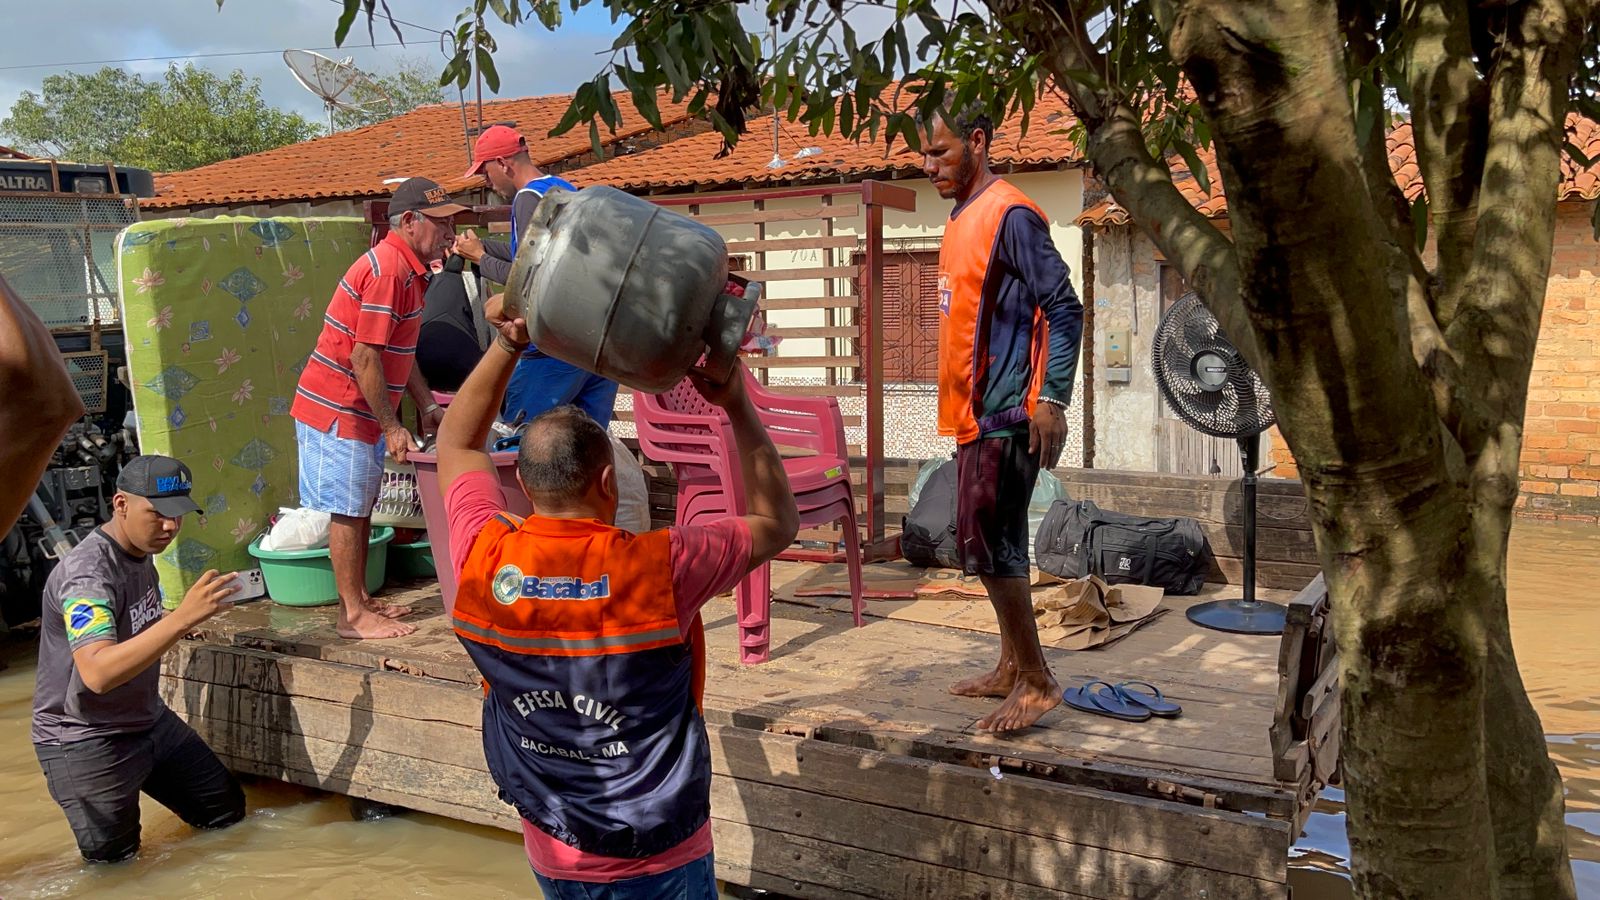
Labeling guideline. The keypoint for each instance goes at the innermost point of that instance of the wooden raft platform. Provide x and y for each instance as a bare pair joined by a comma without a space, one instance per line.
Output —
842,768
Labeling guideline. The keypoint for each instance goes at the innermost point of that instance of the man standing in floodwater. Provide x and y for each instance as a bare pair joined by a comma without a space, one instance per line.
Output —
1009,329
100,730
589,637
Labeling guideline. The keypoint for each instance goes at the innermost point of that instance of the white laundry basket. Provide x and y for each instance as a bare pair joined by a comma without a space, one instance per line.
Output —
399,503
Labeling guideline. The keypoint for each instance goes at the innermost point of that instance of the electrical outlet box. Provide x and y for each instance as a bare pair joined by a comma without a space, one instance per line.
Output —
1117,356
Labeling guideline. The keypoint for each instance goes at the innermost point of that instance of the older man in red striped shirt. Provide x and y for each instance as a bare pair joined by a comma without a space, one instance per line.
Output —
345,405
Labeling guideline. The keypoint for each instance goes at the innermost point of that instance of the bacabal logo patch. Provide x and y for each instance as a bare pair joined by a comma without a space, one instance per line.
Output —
565,587
507,585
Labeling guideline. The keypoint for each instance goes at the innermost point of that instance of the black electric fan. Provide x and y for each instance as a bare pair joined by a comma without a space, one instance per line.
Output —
1208,384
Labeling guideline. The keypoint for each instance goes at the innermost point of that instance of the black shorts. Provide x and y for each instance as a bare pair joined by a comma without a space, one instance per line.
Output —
994,482
97,782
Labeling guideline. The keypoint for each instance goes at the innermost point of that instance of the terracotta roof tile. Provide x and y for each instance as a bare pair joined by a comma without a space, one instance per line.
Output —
692,162
1576,183
1580,183
353,164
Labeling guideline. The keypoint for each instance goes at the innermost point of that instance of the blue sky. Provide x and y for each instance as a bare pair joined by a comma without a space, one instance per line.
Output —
530,60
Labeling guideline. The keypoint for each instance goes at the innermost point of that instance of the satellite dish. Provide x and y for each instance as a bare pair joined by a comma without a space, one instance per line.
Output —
335,81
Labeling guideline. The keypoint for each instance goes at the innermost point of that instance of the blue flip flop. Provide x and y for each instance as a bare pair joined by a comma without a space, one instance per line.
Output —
1154,701
1103,703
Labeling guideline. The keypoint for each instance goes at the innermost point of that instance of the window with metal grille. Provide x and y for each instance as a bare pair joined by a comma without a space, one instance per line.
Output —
910,315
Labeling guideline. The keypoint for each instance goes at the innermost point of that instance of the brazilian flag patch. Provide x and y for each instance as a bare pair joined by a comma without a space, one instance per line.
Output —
88,618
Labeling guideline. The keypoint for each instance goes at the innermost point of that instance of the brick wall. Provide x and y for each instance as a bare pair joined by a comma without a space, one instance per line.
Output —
1561,432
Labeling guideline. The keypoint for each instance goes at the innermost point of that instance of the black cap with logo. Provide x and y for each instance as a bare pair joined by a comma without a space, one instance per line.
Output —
425,196
163,481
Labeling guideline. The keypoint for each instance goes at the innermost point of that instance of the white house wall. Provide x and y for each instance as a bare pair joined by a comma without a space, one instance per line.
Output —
1127,299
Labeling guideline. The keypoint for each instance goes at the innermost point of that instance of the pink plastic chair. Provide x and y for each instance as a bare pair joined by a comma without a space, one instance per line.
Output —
680,428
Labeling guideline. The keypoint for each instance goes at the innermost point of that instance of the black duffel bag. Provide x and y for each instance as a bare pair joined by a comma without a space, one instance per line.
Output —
928,532
1078,538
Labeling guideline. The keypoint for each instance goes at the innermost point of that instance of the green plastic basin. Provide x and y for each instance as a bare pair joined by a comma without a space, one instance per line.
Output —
305,577
410,562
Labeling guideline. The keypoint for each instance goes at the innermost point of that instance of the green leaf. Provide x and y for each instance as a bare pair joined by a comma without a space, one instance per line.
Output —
1197,166
729,133
486,66
609,111
346,19
499,7
697,103
673,66
594,139
581,107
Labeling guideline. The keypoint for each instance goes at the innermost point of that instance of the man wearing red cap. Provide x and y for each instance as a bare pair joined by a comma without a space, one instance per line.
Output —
345,404
540,383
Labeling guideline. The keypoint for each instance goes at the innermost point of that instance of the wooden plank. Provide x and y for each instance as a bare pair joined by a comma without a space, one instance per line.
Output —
1268,487
507,821
823,242
968,849
626,415
752,217
817,390
767,276
1281,512
440,742
818,331
384,693
1327,683
843,301
1269,573
339,765
823,869
798,362
1016,805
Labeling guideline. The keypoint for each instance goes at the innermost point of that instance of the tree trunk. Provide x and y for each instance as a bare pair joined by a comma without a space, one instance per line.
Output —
1526,798
1450,791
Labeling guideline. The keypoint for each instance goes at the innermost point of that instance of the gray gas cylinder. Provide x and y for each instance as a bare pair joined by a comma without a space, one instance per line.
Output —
627,289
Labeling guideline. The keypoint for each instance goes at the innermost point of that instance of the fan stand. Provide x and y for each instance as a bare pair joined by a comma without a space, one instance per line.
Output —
1245,615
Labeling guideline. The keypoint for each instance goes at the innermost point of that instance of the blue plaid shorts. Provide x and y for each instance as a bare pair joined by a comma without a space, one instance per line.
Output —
338,476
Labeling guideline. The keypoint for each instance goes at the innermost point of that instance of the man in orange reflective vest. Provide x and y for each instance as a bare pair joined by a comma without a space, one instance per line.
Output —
589,637
1009,329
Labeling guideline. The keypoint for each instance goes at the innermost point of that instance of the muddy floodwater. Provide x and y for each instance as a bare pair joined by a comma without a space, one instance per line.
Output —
299,843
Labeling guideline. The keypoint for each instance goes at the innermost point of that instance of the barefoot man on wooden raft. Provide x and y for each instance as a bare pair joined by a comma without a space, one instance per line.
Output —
589,637
1009,329
346,404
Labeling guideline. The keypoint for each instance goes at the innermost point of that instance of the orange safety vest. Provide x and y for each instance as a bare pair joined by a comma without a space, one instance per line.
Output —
591,722
964,267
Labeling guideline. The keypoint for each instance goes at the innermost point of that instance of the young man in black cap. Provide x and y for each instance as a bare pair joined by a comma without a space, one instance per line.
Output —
345,404
100,729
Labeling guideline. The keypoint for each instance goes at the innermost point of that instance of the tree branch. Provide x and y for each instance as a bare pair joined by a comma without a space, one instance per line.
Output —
1497,317
1409,279
1449,123
1139,182
1272,79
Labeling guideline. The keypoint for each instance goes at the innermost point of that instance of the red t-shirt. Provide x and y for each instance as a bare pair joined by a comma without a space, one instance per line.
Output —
377,302
707,560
